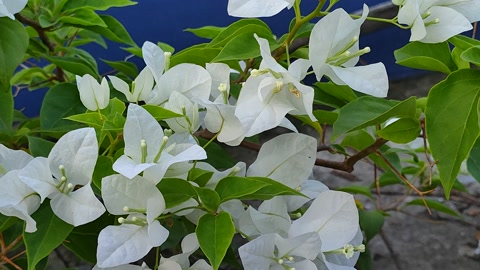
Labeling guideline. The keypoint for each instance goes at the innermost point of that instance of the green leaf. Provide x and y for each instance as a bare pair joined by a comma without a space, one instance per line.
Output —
199,176
103,168
91,119
6,222
39,147
6,112
463,42
215,233
83,240
473,161
114,31
74,65
209,32
13,45
127,68
217,156
96,4
86,57
369,111
83,16
403,130
335,96
457,58
472,55
436,205
371,223
325,117
160,113
272,189
451,118
209,198
60,101
426,56
244,46
51,232
234,187
234,29
176,191
196,55
364,190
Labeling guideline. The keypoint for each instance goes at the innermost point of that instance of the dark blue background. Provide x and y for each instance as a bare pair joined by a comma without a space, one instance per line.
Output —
164,21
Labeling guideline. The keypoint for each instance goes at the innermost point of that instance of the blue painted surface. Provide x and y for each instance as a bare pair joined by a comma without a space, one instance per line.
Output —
161,20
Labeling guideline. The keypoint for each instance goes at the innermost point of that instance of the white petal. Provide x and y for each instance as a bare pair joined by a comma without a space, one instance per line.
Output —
371,79
306,246
189,79
288,158
450,24
169,265
140,125
122,87
154,58
12,159
78,207
122,244
256,8
77,151
334,215
258,253
92,94
268,60
143,85
220,73
177,103
129,168
38,177
157,234
119,191
309,188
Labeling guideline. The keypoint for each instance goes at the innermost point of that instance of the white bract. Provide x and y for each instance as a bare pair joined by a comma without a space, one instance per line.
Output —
140,231
94,96
257,8
12,159
147,148
141,87
334,52
273,91
434,21
10,7
65,177
180,104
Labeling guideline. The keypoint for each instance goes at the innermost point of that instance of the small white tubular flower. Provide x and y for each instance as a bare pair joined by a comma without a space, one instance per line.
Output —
257,8
141,87
333,215
18,199
265,99
71,162
12,159
140,231
146,147
10,7
335,53
434,21
94,96
180,104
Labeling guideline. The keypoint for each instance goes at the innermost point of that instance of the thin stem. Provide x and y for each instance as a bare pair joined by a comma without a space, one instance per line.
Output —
157,258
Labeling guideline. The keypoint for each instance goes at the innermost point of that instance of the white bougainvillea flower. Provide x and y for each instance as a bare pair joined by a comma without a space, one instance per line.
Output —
140,231
310,188
272,92
18,200
271,251
180,104
10,7
154,57
189,245
271,217
345,257
141,87
334,52
69,165
333,215
94,96
12,159
238,170
146,147
257,8
434,21
287,158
